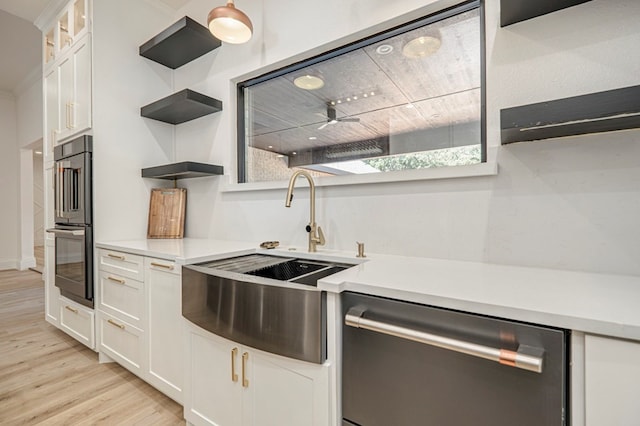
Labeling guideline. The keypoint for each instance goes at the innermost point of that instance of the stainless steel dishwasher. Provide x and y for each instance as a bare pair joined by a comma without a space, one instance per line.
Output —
409,364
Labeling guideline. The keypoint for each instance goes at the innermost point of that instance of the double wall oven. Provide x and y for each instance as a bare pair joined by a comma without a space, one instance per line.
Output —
73,220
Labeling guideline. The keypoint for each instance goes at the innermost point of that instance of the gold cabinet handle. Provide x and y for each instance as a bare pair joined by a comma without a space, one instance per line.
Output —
69,308
234,353
112,322
115,256
72,120
115,280
160,265
245,381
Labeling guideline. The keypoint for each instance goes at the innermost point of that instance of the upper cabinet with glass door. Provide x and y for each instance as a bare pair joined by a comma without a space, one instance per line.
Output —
71,24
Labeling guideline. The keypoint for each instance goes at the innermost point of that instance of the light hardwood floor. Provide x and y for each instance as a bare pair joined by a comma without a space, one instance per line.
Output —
48,378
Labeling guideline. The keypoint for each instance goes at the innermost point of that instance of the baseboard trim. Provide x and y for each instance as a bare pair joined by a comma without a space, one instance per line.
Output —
8,264
27,262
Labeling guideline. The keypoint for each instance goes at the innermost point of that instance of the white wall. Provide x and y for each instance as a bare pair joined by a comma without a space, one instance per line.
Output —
29,138
124,142
9,180
568,203
29,109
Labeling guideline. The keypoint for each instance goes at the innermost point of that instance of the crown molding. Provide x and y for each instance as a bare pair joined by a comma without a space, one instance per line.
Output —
49,14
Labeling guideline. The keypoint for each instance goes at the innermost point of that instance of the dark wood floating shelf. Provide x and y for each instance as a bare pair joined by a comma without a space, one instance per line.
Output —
183,170
182,42
611,110
512,11
182,106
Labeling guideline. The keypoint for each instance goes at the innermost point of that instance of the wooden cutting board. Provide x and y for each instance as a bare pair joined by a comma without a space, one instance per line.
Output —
166,213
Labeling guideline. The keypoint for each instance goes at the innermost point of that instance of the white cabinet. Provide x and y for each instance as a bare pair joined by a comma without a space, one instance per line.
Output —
121,309
74,90
71,23
51,117
229,384
77,321
122,342
140,317
165,326
51,292
67,74
612,381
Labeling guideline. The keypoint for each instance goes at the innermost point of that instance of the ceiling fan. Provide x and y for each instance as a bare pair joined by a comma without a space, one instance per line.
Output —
332,118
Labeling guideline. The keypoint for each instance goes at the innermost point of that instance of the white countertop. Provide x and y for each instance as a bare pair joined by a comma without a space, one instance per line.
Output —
594,303
183,251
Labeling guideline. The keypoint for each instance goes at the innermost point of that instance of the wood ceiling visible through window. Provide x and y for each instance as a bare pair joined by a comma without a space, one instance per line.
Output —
388,92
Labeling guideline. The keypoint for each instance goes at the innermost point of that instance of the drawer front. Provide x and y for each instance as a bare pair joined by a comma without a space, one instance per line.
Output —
77,321
122,342
124,264
162,265
122,297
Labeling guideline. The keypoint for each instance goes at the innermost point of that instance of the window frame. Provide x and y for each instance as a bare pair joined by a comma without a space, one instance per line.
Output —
442,14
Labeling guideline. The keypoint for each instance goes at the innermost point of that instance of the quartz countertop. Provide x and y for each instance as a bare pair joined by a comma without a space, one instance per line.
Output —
604,304
183,251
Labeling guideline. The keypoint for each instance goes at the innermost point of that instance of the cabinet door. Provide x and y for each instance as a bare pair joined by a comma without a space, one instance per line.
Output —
122,342
51,111
80,108
165,327
51,292
612,381
77,321
74,96
283,391
65,96
213,397
122,297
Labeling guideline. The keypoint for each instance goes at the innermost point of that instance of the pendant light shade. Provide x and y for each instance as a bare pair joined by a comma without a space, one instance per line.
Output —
229,24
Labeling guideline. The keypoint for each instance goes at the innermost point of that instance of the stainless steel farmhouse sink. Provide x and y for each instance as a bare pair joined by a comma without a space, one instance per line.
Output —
263,301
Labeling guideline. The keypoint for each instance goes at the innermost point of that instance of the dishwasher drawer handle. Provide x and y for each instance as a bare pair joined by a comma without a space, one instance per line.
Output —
526,357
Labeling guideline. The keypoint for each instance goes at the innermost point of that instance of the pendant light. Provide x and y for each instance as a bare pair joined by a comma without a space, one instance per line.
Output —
229,24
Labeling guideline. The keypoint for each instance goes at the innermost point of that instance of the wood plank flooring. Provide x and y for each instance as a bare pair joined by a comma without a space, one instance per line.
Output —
48,378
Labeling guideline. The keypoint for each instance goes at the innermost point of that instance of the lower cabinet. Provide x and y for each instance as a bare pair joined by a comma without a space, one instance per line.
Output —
165,326
612,381
122,342
229,384
77,321
140,318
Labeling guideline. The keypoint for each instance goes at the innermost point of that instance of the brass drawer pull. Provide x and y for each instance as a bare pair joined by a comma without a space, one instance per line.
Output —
112,322
160,265
115,256
69,308
234,353
245,381
115,280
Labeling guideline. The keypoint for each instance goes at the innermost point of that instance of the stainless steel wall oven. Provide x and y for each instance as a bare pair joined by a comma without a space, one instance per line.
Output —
73,220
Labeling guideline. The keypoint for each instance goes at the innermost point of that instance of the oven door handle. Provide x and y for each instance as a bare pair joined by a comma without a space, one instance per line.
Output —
78,232
526,357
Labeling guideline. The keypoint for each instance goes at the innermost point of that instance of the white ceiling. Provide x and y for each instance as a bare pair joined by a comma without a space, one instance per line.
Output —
20,40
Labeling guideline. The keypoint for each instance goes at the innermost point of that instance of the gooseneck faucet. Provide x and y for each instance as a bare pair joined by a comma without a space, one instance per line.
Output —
316,237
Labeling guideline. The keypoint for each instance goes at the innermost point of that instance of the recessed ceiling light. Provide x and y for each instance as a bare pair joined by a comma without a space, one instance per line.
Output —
270,146
308,82
293,153
409,105
384,49
312,138
37,152
421,47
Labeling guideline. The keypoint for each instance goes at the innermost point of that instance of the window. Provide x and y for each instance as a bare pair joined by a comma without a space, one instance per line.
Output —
408,98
